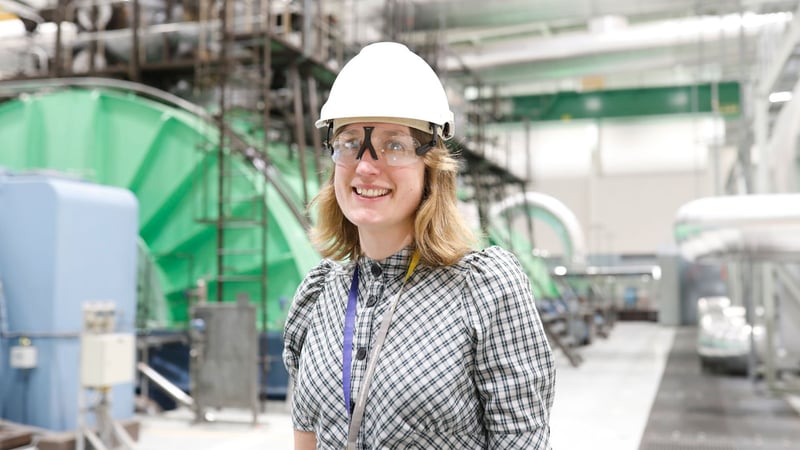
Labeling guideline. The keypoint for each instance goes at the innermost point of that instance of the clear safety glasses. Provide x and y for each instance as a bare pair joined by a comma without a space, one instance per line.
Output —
396,148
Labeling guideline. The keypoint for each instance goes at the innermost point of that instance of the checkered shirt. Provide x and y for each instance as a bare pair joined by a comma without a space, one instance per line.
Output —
465,365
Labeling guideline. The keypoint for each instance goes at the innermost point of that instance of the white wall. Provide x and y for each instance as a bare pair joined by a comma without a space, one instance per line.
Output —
623,179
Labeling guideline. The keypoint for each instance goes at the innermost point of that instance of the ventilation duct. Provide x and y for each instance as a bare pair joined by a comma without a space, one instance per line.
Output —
757,227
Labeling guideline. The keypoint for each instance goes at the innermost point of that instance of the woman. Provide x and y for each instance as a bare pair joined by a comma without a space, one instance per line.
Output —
403,337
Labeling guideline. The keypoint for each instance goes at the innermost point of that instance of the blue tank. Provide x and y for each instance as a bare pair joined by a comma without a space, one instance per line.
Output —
62,243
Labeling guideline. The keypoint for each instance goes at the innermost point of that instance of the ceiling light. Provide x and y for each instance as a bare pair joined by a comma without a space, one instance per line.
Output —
780,97
593,104
607,23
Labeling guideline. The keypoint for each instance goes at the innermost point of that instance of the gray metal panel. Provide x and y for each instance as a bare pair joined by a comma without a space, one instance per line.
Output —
224,355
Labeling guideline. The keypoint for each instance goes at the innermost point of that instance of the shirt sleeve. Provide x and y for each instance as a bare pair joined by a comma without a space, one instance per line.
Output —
514,368
298,320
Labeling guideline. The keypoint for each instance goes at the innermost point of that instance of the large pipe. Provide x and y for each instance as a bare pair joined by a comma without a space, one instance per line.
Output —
21,10
759,227
563,221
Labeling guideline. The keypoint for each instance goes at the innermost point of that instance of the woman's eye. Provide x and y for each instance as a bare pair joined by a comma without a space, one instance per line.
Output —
351,145
396,146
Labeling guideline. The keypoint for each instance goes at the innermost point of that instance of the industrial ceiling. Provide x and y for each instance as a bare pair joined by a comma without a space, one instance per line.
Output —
519,47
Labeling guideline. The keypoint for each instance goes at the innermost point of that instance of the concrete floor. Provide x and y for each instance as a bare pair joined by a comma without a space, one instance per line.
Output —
231,430
603,404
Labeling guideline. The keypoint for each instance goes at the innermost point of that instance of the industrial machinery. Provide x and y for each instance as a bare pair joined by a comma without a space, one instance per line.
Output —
64,242
724,336
164,152
757,238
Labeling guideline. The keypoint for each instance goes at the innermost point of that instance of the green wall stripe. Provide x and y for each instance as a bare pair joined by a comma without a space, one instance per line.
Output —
625,103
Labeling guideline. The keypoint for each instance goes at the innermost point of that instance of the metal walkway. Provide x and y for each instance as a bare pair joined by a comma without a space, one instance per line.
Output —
695,410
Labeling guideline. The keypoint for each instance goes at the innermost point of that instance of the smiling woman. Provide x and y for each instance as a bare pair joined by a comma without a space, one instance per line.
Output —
437,345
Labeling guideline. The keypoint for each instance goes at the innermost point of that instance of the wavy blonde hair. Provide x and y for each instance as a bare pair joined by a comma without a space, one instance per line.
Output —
441,236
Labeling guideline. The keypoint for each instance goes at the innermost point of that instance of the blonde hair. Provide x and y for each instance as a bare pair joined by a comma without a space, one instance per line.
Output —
441,236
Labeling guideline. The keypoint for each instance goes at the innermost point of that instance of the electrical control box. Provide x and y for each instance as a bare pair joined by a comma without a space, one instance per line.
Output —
224,361
107,359
23,357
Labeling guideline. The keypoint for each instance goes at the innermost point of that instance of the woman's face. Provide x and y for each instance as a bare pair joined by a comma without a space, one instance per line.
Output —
374,195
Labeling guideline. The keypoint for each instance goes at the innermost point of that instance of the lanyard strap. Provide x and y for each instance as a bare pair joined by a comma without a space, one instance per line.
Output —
349,331
357,415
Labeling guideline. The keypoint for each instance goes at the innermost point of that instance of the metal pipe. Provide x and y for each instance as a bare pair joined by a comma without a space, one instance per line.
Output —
762,227
40,335
188,30
265,93
306,38
59,17
529,177
168,387
768,291
748,291
572,233
21,10
313,104
299,127
133,74
221,160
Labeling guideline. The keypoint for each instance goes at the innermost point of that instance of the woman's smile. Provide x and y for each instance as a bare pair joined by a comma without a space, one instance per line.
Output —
368,192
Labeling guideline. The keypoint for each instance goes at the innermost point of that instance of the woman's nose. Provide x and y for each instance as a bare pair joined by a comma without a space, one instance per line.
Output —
368,165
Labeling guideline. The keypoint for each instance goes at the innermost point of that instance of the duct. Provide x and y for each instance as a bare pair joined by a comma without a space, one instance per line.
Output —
762,227
44,38
661,34
555,213
119,41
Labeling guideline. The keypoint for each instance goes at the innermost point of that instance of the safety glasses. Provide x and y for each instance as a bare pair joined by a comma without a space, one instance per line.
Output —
396,148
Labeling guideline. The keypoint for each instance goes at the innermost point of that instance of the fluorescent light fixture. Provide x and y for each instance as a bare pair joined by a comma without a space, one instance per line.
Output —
560,271
656,273
780,97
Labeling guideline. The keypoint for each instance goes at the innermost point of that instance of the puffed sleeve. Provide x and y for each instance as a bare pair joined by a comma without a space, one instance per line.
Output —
300,314
514,368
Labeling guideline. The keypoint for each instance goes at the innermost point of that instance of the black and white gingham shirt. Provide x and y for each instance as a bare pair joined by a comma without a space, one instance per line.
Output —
465,365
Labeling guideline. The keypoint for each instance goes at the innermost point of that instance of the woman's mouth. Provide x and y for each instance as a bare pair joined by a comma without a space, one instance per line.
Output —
371,193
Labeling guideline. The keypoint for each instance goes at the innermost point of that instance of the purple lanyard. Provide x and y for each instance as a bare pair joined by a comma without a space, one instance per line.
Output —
349,330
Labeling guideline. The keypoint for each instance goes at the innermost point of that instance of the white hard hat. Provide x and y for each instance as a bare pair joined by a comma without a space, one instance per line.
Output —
387,82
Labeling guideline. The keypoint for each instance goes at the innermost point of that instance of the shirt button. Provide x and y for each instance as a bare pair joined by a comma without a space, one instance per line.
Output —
372,301
376,270
362,353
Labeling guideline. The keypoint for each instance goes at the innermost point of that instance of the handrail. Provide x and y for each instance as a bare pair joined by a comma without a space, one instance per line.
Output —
165,385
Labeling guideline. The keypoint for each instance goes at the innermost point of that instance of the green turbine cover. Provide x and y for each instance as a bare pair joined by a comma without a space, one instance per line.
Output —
168,158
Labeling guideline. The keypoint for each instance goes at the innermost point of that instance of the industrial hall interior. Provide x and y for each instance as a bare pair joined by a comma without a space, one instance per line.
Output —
159,158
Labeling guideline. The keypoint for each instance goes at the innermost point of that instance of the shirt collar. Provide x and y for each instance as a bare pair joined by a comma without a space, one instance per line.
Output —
395,266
